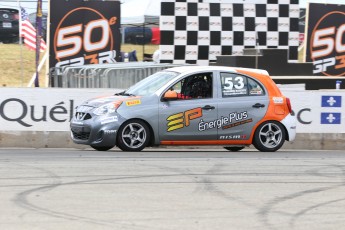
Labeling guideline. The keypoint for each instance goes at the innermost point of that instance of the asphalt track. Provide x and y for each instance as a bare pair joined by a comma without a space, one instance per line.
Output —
160,189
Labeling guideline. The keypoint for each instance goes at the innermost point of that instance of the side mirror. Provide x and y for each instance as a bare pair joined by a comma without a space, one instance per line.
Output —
170,95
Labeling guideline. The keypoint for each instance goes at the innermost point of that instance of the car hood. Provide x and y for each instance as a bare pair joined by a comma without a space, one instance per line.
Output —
97,102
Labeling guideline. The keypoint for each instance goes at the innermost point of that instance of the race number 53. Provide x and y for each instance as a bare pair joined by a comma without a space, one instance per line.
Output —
230,83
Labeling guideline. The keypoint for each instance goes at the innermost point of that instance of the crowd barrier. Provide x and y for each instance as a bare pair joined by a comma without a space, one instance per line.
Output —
116,75
39,117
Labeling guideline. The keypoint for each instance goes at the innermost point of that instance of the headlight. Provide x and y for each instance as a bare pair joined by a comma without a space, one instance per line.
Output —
107,108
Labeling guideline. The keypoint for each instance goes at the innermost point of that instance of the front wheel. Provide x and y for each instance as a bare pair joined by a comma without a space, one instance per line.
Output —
269,136
133,136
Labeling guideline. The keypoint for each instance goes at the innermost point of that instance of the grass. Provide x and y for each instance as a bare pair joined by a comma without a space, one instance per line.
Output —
17,72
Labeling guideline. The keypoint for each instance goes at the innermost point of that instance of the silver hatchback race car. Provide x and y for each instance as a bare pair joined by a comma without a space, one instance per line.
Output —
191,105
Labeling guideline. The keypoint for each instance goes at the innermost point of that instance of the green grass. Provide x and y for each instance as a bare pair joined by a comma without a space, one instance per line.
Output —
17,72
17,65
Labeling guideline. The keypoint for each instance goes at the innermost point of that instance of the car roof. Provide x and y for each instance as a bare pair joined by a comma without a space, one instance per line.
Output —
191,69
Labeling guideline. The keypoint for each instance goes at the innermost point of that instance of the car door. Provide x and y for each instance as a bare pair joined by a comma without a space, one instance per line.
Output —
182,119
243,101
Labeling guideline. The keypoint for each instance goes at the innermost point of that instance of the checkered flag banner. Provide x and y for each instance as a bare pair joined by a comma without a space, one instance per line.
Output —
197,31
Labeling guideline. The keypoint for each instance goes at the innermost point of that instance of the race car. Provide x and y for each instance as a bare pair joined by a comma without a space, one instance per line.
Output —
189,105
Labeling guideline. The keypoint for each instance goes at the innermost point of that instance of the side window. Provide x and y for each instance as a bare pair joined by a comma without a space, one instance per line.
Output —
196,86
255,89
233,85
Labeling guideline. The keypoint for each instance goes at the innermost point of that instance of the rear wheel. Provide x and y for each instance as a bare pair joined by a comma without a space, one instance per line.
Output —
234,148
269,136
134,135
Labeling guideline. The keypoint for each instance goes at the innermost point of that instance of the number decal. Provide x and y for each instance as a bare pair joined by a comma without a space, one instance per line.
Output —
229,83
240,83
64,39
92,46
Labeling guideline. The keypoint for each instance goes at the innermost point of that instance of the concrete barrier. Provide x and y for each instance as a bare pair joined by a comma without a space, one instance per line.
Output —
62,139
39,118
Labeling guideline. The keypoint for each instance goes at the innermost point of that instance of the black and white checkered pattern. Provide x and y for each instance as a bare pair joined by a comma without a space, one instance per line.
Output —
196,31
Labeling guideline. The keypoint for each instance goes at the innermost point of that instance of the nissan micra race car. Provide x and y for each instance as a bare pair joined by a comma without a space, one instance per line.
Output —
190,105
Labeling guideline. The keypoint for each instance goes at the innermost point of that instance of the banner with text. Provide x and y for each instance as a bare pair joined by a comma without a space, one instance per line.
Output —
325,44
30,109
84,32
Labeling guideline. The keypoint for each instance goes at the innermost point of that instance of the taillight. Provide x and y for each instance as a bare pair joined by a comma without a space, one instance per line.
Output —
288,103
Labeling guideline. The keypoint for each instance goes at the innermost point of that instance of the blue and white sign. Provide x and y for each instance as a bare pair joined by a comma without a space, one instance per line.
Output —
330,118
318,111
331,101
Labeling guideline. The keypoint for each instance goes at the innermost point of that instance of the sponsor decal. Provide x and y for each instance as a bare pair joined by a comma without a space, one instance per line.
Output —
331,101
110,131
223,121
182,119
330,118
238,123
133,102
106,120
255,91
233,137
278,100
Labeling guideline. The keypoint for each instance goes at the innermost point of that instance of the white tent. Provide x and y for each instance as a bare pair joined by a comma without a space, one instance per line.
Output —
140,12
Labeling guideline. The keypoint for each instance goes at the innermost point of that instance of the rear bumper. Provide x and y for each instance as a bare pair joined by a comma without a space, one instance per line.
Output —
290,124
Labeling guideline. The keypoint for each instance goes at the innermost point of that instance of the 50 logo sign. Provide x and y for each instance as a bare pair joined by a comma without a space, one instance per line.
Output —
327,40
86,35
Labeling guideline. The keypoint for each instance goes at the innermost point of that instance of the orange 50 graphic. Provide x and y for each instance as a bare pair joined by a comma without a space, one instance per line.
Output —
180,120
84,43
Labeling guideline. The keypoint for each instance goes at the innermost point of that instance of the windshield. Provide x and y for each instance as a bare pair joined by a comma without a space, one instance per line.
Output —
151,84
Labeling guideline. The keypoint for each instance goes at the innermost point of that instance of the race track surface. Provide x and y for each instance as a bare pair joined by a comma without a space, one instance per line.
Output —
169,189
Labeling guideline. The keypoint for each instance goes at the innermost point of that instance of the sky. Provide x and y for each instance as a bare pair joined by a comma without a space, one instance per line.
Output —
30,5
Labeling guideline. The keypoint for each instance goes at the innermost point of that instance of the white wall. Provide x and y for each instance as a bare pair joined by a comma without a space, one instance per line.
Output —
35,109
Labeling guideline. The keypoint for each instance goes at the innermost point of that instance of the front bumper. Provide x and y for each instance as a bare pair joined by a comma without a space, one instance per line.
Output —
98,131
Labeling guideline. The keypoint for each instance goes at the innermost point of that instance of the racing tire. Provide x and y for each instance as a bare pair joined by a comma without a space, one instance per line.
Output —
269,136
234,148
101,148
133,135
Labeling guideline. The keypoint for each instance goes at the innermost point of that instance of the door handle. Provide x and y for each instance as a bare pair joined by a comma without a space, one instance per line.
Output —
208,107
258,105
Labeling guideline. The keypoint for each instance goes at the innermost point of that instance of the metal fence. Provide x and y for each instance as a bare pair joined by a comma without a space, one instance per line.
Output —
116,75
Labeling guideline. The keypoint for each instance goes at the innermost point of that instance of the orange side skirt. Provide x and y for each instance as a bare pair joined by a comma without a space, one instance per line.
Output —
205,142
